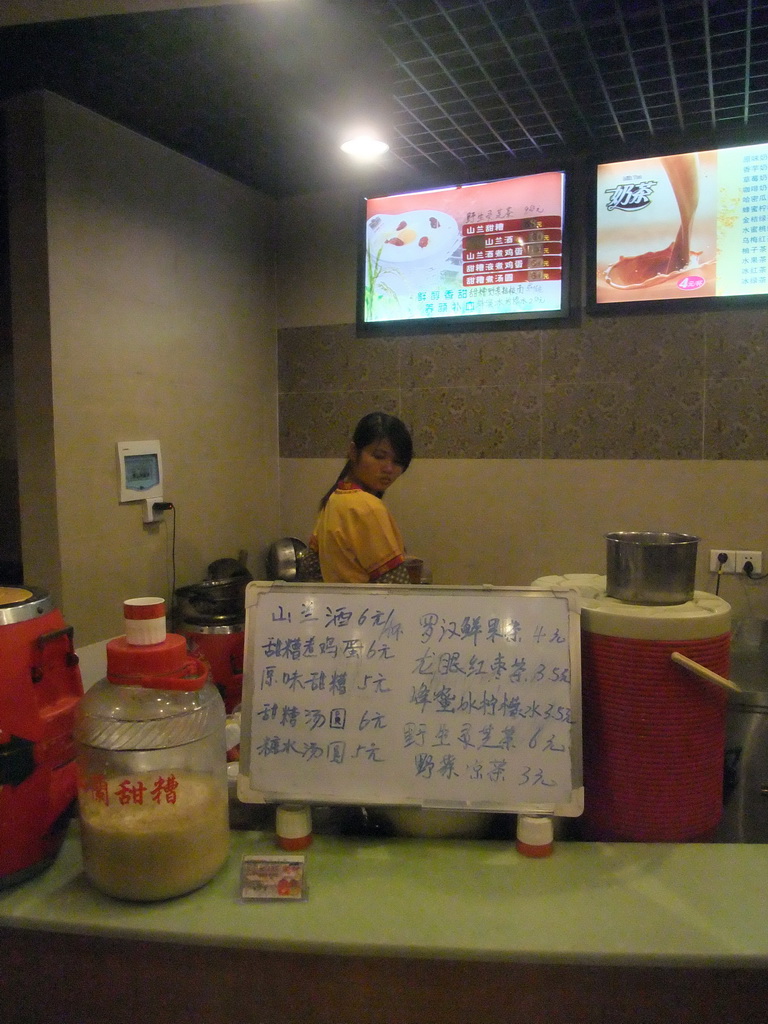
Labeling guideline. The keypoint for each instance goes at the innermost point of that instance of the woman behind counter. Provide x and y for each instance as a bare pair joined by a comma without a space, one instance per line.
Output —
355,539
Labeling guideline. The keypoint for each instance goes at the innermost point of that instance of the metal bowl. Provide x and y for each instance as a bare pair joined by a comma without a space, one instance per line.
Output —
284,557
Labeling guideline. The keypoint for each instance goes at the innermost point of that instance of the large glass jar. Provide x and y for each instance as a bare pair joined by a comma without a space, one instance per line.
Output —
152,789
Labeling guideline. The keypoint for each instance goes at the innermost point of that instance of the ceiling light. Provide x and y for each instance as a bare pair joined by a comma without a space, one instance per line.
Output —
364,147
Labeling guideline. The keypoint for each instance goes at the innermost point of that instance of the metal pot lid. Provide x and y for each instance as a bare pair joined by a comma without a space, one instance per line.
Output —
217,629
212,586
197,618
227,569
19,604
215,590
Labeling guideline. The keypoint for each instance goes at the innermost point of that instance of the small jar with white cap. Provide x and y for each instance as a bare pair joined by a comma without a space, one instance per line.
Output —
293,824
535,835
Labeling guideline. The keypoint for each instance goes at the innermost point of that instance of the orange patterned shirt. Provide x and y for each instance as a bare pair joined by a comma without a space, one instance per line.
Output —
356,538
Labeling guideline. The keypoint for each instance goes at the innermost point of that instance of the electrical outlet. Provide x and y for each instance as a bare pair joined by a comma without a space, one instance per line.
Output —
755,557
728,566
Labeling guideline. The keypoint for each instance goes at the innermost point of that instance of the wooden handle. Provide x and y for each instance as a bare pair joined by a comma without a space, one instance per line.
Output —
705,673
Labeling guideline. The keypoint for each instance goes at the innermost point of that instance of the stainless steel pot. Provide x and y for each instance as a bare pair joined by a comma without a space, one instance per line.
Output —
284,557
745,782
211,603
651,568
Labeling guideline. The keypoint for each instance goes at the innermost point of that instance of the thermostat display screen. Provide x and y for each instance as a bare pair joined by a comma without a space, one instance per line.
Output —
140,466
141,472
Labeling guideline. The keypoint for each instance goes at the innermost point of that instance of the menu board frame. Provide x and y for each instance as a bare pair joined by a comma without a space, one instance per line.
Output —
454,697
690,297
435,230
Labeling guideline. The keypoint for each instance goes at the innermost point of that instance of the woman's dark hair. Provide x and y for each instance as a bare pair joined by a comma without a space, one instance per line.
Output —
378,426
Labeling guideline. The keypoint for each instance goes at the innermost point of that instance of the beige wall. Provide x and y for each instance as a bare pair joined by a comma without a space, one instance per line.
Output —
508,520
143,308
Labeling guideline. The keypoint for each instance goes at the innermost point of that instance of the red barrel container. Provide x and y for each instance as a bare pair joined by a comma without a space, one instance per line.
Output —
653,733
223,648
40,687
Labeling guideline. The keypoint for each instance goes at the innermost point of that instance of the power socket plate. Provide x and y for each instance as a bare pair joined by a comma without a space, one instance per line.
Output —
728,566
755,557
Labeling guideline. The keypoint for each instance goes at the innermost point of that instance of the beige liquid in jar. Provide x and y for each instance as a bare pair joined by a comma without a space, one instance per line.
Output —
153,851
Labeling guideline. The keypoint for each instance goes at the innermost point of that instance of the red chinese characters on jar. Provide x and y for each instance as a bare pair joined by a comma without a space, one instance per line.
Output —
155,835
130,791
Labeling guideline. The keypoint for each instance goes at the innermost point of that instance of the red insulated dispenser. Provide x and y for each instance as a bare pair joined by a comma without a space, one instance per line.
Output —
653,733
153,794
40,687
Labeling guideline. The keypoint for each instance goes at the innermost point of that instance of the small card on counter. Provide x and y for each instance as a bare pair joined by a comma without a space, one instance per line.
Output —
273,877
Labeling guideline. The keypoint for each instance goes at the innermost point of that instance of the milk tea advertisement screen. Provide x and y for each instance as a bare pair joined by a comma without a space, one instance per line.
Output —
486,251
685,226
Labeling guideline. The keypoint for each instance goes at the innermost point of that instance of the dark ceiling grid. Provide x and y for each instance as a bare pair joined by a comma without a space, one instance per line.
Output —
467,86
520,71
435,89
443,75
672,76
595,68
497,85
493,86
543,43
747,58
708,52
549,75
621,24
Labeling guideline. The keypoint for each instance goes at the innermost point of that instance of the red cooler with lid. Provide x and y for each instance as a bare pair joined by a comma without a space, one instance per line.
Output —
223,648
211,615
653,733
40,687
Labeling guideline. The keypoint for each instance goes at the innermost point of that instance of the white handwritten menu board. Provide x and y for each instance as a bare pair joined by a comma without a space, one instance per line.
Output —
437,696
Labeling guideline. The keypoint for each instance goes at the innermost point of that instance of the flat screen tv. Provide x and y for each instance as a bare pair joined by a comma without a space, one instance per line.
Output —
682,229
485,253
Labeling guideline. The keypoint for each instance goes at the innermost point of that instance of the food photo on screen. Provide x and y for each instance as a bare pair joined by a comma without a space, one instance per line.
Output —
483,250
687,225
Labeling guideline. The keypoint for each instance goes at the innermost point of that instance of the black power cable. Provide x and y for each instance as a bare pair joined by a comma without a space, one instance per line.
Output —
749,572
722,558
168,506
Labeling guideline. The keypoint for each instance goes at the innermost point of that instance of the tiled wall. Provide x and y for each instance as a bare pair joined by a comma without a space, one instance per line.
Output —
676,386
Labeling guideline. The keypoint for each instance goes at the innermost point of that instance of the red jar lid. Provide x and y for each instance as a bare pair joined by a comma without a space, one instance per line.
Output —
164,666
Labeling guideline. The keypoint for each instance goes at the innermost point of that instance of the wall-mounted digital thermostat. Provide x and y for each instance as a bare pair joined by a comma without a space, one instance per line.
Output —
141,474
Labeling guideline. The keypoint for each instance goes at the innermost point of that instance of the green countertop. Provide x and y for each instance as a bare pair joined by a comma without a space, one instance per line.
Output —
589,903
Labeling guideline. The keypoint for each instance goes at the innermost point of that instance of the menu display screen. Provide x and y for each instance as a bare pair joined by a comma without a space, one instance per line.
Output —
689,225
486,251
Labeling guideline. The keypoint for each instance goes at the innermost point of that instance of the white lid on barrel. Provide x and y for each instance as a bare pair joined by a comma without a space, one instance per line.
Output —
707,615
